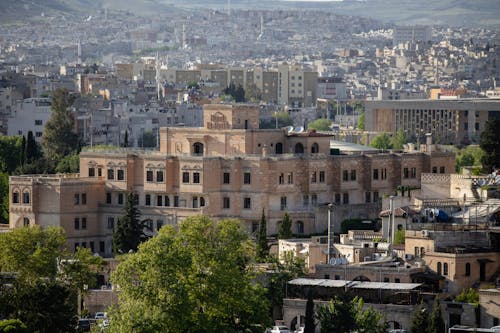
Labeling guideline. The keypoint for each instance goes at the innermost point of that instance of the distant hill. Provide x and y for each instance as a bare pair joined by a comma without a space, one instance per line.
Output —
466,13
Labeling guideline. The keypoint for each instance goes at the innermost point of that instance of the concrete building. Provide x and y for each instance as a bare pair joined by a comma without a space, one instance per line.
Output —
403,34
30,115
227,168
449,121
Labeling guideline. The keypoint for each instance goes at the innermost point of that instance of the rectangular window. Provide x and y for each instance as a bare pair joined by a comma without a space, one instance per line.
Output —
290,178
185,177
84,244
176,201
383,173
367,197
147,200
281,179
247,203
346,198
406,174
91,244
120,198
76,199
353,175
84,198
226,178
38,134
434,170
167,201
413,172
337,198
283,203
99,172
149,175
101,246
441,169
91,172
345,175
196,177
246,178
321,176
26,198
305,200
226,204
159,200
84,223
15,197
108,198
120,174
159,176
111,222
314,199
375,197
77,223
77,245
38,122
313,177
111,174
375,174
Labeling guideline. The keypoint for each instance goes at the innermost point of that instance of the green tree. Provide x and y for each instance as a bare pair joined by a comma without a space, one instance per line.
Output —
80,269
285,227
361,121
490,144
468,156
125,140
468,296
13,326
59,138
381,141
32,252
23,151
436,322
193,278
347,315
309,326
418,322
69,164
399,237
398,140
262,247
238,93
253,93
4,197
32,150
320,124
284,269
11,153
129,232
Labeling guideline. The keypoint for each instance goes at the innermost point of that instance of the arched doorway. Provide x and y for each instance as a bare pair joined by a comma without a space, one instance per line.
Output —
299,148
198,148
314,148
279,148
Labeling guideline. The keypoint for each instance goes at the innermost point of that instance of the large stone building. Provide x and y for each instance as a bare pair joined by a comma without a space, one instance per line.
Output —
449,121
227,168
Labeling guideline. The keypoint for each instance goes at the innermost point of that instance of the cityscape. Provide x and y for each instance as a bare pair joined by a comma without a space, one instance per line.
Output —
250,166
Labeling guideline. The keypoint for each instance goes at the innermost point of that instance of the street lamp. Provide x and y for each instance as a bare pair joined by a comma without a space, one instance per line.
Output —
330,232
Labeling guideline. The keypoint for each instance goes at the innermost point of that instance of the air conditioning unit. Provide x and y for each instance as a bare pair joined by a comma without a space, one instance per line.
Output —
425,233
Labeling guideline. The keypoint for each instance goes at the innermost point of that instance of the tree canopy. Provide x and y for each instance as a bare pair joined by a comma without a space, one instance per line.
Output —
191,279
361,121
398,140
320,124
381,141
59,138
347,315
490,143
129,232
262,247
285,227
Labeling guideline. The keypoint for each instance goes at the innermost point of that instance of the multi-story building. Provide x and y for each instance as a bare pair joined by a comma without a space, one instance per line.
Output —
403,34
30,115
449,121
227,168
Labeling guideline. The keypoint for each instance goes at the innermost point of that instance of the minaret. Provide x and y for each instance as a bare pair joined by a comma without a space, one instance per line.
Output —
79,55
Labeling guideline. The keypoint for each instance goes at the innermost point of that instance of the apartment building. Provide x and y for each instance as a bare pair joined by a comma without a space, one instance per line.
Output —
30,114
449,121
229,168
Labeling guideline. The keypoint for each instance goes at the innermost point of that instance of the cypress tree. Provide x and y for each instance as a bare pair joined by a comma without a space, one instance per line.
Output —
436,322
31,149
22,157
418,323
262,248
129,232
285,229
309,320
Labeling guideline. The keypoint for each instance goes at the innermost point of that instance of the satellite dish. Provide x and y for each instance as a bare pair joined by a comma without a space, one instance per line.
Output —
289,129
299,129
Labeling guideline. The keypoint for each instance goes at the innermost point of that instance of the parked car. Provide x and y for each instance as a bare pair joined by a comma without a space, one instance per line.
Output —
299,330
100,315
280,329
83,325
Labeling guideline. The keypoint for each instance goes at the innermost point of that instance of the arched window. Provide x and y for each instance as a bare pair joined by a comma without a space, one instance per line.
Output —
299,148
467,269
422,251
26,197
198,148
439,268
299,227
15,197
26,222
445,269
314,148
279,148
